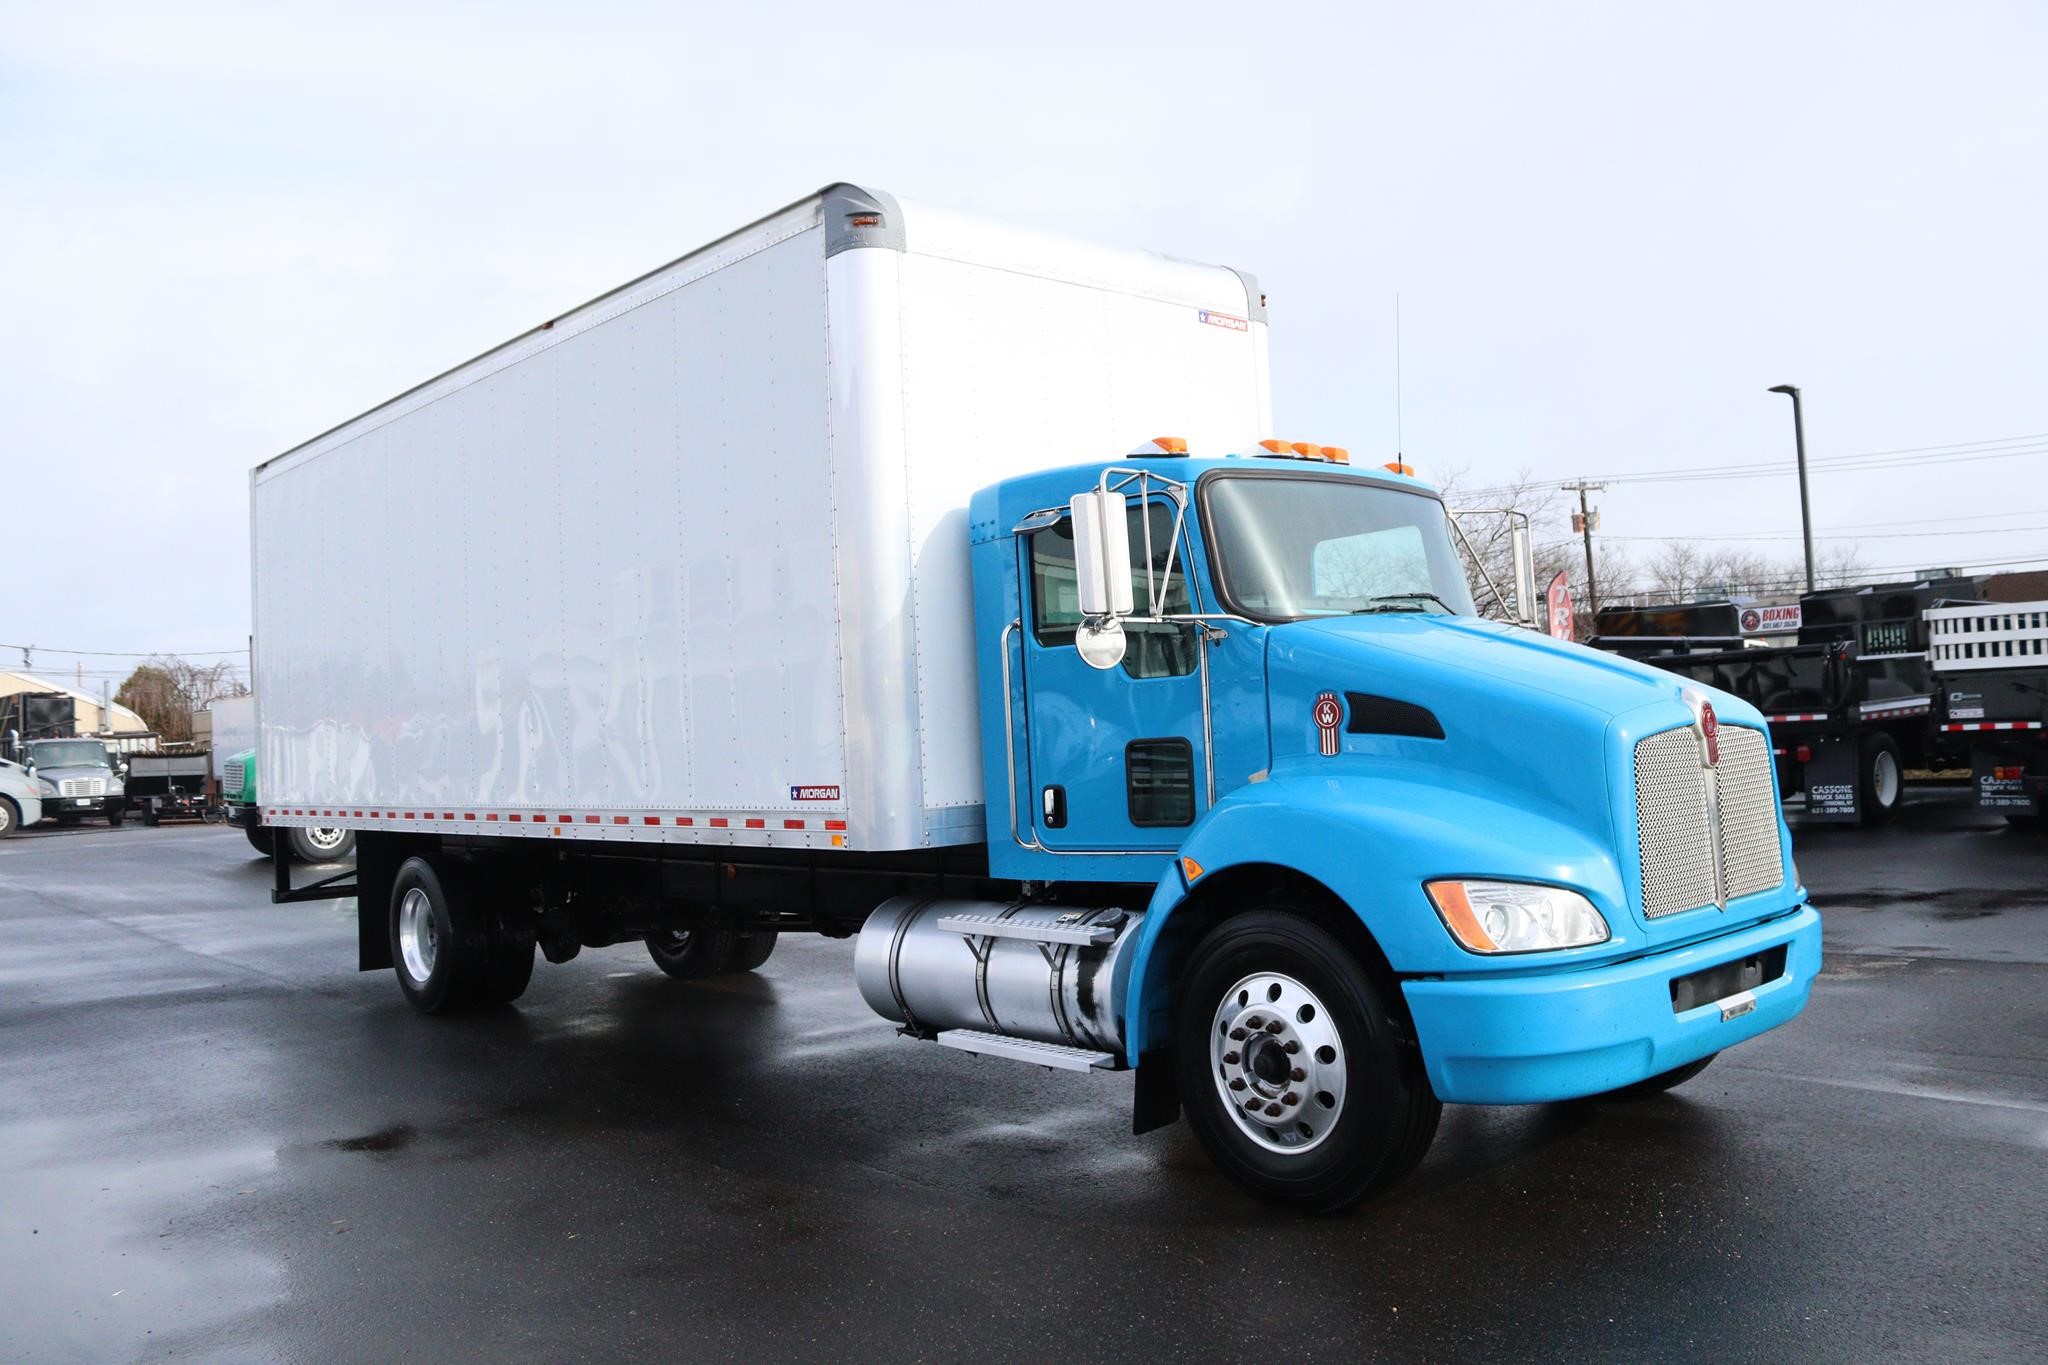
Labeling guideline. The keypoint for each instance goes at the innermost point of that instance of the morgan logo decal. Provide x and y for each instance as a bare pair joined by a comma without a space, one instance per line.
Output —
1235,324
814,793
1710,734
1329,714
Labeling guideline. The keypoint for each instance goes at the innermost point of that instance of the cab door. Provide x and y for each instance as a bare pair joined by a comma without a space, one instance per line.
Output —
1115,755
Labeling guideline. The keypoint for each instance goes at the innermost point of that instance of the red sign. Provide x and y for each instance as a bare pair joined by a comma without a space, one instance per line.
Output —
1767,620
1560,607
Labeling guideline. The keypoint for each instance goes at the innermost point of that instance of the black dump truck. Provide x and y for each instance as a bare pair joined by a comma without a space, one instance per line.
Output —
1843,676
1990,662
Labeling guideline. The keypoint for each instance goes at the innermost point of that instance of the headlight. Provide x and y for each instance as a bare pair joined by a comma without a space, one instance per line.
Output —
1515,917
45,787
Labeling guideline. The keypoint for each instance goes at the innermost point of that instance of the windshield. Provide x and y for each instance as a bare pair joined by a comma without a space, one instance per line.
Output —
70,753
1289,546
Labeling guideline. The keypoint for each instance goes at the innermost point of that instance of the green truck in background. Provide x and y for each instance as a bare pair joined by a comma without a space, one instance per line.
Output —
238,793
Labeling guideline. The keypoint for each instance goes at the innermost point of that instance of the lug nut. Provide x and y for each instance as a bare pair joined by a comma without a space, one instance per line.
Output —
1297,1075
1237,1035
1252,1104
1237,1082
1290,1047
1272,1026
1230,1058
1290,1098
1273,1111
1253,1022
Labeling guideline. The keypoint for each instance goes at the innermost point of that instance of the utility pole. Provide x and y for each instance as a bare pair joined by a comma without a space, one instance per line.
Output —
1799,436
1584,523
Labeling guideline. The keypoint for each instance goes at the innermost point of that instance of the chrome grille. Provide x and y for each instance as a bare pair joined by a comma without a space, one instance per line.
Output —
83,786
1751,860
1690,859
1672,835
231,776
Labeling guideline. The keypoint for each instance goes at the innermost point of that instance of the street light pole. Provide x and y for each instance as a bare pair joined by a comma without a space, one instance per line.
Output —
1799,436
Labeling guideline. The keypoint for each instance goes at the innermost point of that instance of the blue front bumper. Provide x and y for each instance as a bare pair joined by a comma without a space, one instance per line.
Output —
1563,1035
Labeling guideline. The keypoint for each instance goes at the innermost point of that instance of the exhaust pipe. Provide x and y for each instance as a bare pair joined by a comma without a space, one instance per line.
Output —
1041,972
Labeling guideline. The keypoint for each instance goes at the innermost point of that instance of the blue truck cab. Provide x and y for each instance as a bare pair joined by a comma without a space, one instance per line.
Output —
1398,854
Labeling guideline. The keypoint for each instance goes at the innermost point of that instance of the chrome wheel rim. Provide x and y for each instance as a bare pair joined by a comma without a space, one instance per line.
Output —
672,942
325,838
1884,779
419,942
1278,1062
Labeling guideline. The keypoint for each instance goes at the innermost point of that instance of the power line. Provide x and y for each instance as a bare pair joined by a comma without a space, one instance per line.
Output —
1960,452
1858,536
127,654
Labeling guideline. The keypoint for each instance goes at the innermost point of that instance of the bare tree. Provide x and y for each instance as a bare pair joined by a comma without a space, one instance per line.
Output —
165,690
1488,532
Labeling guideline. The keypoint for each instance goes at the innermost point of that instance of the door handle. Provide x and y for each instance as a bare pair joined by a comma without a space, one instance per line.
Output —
1052,807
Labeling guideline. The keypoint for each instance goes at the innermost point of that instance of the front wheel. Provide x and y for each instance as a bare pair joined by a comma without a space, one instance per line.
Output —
10,817
117,813
322,844
1295,1066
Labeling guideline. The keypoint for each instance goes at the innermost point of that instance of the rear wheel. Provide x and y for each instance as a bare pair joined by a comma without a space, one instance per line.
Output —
1882,779
439,946
259,838
1294,1066
322,844
687,954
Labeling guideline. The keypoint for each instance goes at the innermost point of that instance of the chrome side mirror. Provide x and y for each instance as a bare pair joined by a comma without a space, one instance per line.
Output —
1102,576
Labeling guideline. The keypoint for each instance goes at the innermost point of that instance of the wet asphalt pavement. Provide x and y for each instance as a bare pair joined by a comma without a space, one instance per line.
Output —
217,1140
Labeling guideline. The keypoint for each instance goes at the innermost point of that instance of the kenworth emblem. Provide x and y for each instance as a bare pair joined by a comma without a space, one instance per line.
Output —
1329,714
1710,734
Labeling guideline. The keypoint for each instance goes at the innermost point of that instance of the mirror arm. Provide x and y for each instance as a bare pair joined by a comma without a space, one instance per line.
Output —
1514,612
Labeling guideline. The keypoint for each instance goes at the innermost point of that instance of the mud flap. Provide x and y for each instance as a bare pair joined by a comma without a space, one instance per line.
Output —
1156,1102
1834,777
2000,778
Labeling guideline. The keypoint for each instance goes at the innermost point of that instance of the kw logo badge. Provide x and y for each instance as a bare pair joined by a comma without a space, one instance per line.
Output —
1329,714
1710,734
1706,728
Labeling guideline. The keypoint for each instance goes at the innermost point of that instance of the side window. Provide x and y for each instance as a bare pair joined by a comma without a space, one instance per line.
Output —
1156,650
1159,781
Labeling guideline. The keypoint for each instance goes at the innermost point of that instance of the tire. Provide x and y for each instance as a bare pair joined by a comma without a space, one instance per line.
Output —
1658,1084
509,967
755,949
321,845
116,814
690,954
10,818
1356,1113
439,947
1881,779
259,838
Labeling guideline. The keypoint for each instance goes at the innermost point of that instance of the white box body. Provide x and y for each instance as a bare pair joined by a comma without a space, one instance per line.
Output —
234,729
690,562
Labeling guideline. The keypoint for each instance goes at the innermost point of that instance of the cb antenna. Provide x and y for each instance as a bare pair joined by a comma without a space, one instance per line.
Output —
1399,443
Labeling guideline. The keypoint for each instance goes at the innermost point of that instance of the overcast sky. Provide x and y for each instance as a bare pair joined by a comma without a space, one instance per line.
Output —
225,228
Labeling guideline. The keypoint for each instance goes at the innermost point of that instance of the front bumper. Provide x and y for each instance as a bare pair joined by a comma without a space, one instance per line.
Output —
1564,1035
83,805
245,815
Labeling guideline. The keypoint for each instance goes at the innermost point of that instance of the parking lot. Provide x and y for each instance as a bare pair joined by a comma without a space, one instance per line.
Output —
218,1140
